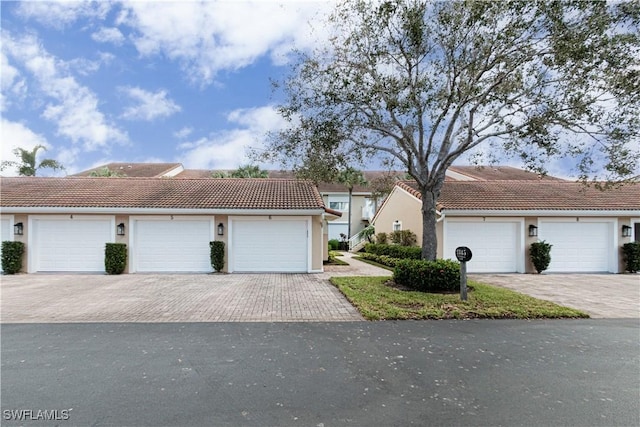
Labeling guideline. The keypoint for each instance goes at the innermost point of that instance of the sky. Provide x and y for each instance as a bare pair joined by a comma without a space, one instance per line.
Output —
189,82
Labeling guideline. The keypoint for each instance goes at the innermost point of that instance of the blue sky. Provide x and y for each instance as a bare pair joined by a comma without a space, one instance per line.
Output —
147,81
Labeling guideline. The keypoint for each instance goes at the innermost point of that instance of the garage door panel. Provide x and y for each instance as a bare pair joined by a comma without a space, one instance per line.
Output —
577,246
71,245
172,246
494,245
270,246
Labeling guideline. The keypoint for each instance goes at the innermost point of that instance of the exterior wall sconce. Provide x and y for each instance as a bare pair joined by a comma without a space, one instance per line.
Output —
221,229
18,229
120,229
626,231
533,231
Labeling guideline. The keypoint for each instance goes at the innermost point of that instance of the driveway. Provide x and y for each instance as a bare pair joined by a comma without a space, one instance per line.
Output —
62,298
600,295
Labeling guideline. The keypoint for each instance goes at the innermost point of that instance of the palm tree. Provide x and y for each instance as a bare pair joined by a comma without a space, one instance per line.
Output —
350,177
249,171
28,166
105,172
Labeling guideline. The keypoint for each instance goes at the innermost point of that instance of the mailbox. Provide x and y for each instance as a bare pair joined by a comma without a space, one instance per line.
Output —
463,254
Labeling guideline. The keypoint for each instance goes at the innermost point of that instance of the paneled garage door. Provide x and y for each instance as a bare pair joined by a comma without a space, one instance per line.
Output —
495,245
270,245
172,245
578,246
70,244
5,233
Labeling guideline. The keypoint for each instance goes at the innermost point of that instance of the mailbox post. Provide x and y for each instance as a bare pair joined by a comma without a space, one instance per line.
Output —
463,254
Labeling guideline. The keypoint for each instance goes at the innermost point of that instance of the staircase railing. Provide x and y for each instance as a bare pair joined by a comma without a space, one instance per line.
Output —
357,239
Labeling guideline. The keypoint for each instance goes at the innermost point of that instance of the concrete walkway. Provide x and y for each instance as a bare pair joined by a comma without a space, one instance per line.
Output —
600,295
61,298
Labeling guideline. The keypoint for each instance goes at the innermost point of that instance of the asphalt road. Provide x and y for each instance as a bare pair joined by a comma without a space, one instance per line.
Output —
506,372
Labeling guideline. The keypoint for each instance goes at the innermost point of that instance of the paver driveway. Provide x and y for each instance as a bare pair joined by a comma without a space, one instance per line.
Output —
600,295
58,298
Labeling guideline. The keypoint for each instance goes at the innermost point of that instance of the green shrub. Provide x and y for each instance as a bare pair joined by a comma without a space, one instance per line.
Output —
334,244
381,238
428,276
12,257
404,238
380,259
115,258
540,253
394,251
217,255
631,252
368,232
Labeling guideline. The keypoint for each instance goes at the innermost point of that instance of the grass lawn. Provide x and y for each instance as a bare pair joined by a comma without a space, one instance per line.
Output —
333,260
377,301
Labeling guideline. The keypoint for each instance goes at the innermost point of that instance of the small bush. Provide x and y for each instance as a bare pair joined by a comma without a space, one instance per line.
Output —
368,233
540,253
381,238
115,258
404,238
631,252
217,255
428,276
394,251
334,244
12,257
380,259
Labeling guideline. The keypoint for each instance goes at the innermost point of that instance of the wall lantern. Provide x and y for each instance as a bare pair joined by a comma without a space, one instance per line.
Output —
626,231
18,229
533,231
221,229
120,229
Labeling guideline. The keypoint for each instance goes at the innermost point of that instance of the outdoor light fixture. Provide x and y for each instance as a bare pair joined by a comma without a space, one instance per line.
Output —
626,231
533,231
221,229
120,229
18,229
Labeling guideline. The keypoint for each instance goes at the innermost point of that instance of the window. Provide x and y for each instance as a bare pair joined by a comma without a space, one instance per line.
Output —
397,225
339,206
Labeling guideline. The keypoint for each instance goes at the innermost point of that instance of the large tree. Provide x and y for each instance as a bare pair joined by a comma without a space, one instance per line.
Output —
422,83
247,171
28,164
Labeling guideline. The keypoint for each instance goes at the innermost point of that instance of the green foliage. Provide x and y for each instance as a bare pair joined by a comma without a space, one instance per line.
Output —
105,172
428,276
382,238
115,258
249,171
334,244
28,165
631,253
394,251
380,259
368,232
540,254
217,255
12,257
403,237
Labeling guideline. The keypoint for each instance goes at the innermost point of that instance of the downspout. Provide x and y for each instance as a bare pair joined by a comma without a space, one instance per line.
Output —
441,215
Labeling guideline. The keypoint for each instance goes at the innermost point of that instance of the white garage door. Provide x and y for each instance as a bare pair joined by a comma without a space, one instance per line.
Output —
269,246
70,244
172,245
577,246
5,234
495,245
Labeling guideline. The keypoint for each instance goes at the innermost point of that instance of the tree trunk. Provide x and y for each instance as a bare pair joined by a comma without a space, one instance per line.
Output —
349,221
429,238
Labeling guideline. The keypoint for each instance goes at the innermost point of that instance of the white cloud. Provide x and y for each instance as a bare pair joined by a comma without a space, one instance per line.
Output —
108,35
228,149
183,133
74,108
10,82
16,135
61,13
207,37
149,105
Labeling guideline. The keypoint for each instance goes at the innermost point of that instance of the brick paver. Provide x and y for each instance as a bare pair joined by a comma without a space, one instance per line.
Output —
60,298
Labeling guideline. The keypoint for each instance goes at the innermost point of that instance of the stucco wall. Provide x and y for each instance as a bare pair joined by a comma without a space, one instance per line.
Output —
402,207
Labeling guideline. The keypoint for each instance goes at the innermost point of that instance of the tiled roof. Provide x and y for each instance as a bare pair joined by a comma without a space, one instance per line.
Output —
499,173
159,193
531,195
135,170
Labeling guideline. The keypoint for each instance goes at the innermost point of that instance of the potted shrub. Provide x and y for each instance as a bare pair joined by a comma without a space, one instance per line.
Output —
540,253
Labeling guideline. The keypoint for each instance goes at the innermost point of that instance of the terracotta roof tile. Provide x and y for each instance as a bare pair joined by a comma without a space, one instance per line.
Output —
499,173
159,193
135,170
531,195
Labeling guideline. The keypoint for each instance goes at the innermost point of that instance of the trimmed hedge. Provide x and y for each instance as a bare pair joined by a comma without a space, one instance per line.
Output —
631,252
394,251
334,244
12,257
380,259
540,253
428,276
115,258
217,255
